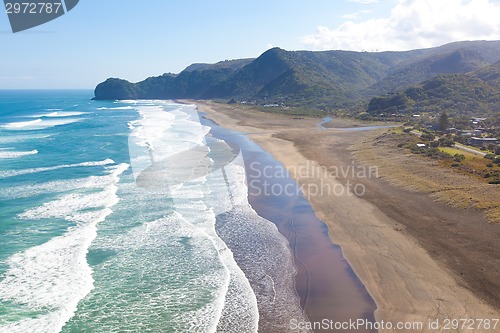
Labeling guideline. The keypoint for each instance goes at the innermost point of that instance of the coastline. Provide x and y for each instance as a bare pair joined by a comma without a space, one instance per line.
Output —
307,237
407,282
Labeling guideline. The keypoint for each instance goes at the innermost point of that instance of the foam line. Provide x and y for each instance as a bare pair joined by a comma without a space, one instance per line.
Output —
39,124
16,154
21,138
52,278
117,108
58,114
13,173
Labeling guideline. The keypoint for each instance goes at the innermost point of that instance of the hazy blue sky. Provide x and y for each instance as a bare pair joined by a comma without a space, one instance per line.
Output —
137,39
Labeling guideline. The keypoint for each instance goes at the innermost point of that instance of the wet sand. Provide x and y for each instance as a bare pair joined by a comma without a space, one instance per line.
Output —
327,286
409,274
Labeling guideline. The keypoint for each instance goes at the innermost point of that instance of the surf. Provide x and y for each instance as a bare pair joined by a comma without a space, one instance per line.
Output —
52,278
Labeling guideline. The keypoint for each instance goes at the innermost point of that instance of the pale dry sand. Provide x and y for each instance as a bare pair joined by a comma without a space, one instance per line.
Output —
407,282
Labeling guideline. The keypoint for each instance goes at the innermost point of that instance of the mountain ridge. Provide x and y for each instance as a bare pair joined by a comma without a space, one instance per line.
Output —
321,79
458,94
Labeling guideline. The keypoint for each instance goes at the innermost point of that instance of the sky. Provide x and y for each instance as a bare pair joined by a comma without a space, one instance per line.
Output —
137,39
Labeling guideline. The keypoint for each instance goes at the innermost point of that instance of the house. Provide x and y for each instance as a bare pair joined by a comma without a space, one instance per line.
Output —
478,120
481,141
466,133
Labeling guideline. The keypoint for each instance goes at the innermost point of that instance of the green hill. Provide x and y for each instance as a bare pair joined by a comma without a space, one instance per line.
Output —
474,93
324,79
449,59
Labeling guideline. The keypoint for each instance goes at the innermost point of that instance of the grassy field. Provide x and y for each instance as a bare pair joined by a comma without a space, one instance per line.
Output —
460,184
453,151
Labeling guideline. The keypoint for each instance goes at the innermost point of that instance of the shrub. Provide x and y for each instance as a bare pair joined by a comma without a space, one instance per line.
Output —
432,152
490,156
459,157
446,142
427,137
445,155
416,149
494,182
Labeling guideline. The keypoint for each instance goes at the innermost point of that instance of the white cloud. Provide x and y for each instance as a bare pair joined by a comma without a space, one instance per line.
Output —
414,24
352,16
355,16
365,2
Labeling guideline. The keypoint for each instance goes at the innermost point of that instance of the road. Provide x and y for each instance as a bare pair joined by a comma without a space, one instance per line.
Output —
470,150
459,146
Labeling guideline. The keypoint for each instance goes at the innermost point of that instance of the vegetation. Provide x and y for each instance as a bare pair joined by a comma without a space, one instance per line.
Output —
444,122
459,96
325,81
486,169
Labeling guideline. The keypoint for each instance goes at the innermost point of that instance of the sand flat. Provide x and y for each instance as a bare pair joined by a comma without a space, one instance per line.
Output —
411,275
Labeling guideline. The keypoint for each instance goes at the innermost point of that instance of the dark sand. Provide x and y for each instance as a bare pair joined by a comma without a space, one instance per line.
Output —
327,286
419,260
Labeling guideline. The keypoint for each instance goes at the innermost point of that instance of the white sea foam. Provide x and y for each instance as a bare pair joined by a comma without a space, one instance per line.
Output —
158,135
258,243
146,135
39,124
52,278
145,102
21,138
177,270
6,154
13,173
117,108
238,307
58,114
194,277
66,206
22,124
58,186
128,101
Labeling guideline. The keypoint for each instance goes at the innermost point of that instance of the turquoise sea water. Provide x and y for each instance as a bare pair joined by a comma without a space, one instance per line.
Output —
87,248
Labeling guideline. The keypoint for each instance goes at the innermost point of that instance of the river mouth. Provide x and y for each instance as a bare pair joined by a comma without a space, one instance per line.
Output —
349,128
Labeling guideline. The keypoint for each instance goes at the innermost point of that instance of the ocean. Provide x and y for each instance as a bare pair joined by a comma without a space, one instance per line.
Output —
131,216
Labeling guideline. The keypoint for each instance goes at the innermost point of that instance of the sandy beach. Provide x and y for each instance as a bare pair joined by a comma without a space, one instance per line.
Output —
420,260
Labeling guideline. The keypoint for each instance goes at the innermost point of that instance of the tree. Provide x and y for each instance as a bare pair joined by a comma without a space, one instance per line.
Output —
428,137
444,122
459,157
446,142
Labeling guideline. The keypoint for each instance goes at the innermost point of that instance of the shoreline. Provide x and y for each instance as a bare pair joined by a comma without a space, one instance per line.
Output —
406,281
307,238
